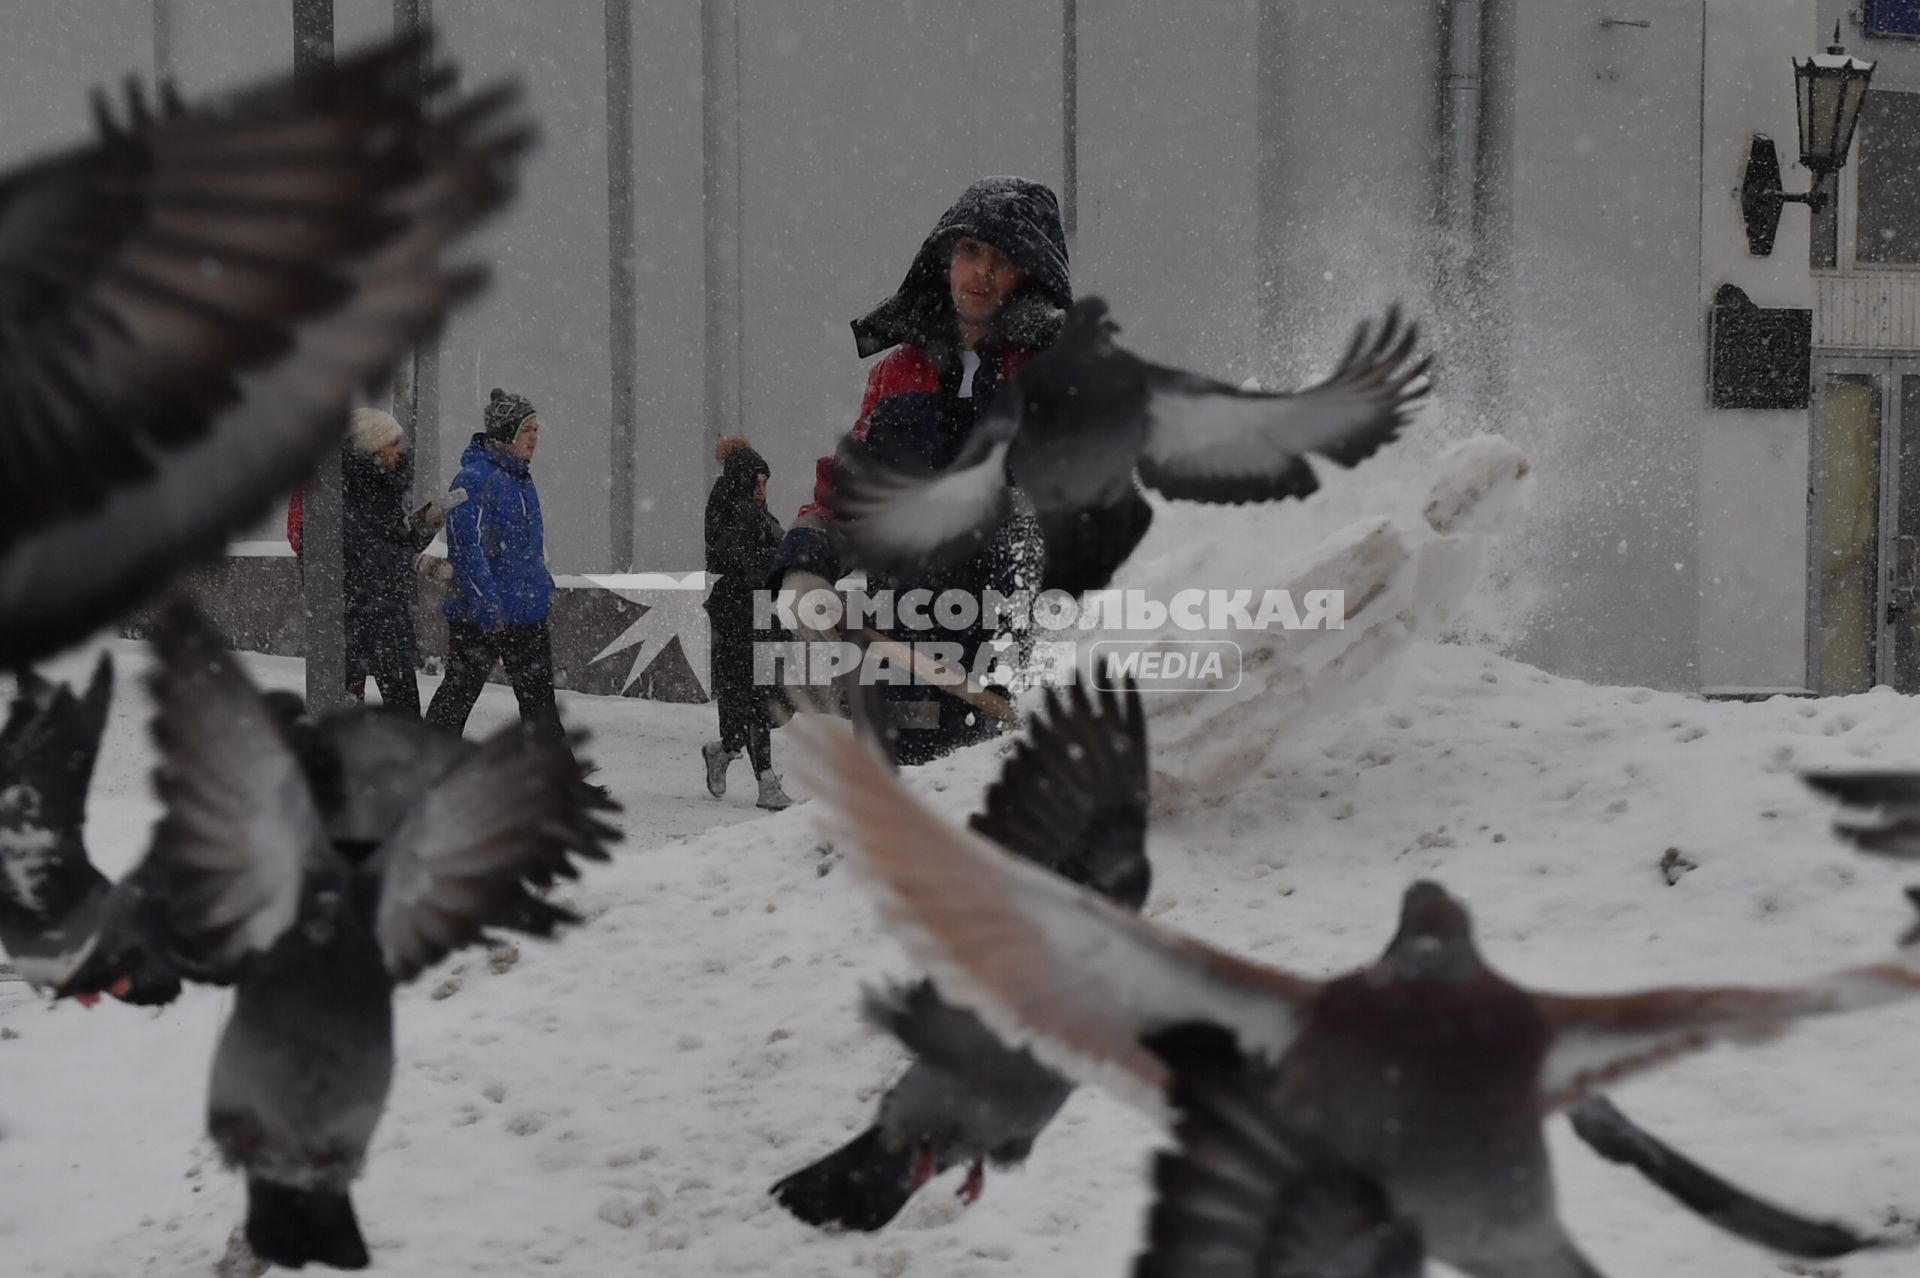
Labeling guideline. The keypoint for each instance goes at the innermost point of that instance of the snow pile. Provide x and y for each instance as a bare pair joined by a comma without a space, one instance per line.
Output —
619,1102
1402,576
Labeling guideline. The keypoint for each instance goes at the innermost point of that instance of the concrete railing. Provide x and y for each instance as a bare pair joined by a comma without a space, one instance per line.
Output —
633,634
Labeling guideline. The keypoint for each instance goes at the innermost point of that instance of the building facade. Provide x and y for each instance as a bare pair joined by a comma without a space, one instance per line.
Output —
1552,186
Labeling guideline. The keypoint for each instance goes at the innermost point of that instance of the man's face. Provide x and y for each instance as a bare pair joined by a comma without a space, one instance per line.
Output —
760,489
526,439
389,454
981,277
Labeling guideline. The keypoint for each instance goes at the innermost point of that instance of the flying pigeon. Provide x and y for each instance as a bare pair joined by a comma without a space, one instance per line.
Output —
1247,1193
314,932
1071,799
1079,422
1428,1072
1880,813
188,302
52,898
1880,810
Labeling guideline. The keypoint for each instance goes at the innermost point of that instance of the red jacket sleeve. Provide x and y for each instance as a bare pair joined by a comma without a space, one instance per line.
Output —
296,519
904,368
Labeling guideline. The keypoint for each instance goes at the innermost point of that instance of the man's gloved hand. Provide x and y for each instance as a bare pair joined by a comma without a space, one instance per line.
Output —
433,515
795,586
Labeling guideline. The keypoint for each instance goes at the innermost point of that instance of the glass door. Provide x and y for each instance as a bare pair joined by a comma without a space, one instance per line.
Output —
1845,608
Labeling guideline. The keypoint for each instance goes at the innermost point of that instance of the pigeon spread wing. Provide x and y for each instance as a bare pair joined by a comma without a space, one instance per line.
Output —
1208,441
1600,1039
897,518
1073,795
507,817
187,304
1246,1193
1042,961
1618,1139
240,827
51,895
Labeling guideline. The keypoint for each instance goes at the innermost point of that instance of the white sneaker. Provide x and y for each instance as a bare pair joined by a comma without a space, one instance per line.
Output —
772,797
717,760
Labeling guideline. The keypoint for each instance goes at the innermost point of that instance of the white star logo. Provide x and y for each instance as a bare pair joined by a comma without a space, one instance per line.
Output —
673,611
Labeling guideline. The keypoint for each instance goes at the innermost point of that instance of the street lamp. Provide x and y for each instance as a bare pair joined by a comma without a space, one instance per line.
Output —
1829,89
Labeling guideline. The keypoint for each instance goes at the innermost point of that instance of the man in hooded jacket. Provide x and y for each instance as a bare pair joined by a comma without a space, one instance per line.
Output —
987,291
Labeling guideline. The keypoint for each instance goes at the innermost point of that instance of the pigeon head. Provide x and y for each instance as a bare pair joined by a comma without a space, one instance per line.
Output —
1435,938
1090,313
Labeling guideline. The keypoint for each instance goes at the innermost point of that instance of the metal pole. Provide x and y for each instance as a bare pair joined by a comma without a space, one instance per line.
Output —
622,335
1070,117
326,640
720,215
416,382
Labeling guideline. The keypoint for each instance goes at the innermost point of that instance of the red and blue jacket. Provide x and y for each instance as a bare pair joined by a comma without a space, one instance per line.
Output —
908,417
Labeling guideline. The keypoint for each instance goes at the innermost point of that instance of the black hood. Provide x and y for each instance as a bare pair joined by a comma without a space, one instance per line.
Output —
742,465
1018,217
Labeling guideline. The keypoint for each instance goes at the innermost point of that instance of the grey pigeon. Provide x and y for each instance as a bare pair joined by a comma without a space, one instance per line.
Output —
188,302
314,933
1081,420
52,897
1427,1072
1247,1194
1072,799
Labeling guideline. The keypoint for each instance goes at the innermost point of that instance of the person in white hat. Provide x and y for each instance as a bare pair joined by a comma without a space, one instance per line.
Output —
379,540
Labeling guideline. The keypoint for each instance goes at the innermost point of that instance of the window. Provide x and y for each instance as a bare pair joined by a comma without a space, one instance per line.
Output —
1887,226
1893,17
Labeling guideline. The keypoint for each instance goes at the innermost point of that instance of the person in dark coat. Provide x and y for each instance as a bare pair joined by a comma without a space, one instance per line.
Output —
987,291
742,535
379,539
497,606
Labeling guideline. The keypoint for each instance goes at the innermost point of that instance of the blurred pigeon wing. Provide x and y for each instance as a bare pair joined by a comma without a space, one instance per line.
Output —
954,1041
187,304
508,815
239,827
897,519
1602,1039
1246,1195
1885,815
1043,962
1208,441
1073,795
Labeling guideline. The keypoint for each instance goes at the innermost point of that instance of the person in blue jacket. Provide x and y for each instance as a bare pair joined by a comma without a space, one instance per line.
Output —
497,606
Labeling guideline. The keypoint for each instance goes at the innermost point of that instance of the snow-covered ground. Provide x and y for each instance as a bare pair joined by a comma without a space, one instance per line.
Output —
617,1103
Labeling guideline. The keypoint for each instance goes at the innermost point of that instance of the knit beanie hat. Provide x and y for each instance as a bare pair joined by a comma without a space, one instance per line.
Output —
371,430
505,412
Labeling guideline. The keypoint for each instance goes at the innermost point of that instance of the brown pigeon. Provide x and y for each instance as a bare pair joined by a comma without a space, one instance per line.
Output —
1427,1072
189,300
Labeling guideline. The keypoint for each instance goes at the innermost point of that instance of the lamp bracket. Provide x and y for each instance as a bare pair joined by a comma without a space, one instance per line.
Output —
1761,196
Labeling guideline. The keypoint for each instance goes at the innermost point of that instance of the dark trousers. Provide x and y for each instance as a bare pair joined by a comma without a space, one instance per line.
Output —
526,652
743,724
743,704
392,671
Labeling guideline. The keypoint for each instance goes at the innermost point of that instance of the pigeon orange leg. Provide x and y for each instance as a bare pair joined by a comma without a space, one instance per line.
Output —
971,1187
